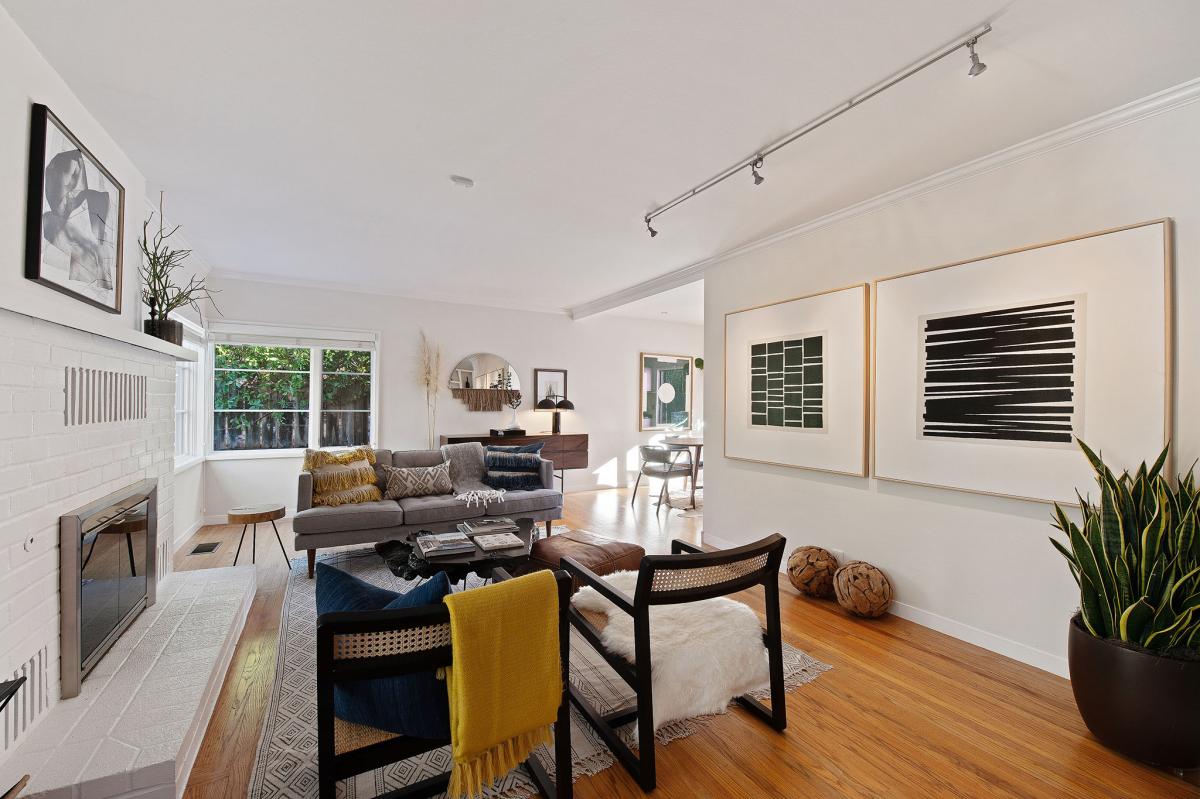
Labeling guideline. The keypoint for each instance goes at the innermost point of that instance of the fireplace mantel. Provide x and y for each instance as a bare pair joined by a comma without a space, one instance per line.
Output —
111,327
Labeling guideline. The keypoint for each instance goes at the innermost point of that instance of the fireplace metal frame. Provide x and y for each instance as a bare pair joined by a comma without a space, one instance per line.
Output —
101,513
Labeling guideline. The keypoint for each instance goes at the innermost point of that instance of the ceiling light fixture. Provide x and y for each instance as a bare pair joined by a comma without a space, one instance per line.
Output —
459,180
758,179
755,161
977,66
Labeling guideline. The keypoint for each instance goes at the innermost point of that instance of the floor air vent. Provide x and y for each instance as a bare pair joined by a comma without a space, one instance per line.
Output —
204,549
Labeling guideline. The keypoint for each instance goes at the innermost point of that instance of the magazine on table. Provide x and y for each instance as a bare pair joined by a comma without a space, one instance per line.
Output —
500,524
432,545
498,542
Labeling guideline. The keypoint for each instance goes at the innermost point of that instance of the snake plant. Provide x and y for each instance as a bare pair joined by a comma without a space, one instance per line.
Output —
1136,557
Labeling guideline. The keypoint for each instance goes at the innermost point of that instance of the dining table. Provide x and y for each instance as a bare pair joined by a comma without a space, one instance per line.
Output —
696,445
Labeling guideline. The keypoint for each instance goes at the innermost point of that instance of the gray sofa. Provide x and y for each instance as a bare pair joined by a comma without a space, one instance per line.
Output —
369,522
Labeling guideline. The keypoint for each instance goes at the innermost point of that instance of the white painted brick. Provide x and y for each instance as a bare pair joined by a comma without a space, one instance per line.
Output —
16,425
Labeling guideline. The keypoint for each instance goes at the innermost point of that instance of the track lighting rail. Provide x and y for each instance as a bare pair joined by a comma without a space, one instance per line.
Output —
755,161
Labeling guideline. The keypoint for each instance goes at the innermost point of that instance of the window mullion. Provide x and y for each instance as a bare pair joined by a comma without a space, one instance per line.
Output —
315,364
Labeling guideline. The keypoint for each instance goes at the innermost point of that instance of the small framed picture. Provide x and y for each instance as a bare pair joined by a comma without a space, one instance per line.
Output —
75,217
549,383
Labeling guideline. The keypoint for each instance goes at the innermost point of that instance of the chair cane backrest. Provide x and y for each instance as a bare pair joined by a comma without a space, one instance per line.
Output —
391,642
669,579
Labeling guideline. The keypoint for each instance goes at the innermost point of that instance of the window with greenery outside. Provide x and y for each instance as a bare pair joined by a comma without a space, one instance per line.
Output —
345,398
260,397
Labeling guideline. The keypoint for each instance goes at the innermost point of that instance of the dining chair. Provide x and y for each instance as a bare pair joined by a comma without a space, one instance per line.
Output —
664,463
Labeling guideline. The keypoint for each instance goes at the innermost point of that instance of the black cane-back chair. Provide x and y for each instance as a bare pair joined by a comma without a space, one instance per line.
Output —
364,645
687,575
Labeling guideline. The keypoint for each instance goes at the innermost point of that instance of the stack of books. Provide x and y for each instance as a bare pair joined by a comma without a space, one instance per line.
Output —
501,542
433,545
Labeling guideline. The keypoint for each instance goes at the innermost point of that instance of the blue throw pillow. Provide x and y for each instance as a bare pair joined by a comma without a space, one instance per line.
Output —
535,447
513,481
513,461
407,704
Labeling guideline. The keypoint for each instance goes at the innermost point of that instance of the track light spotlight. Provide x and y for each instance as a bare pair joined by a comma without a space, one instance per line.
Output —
977,66
653,232
758,179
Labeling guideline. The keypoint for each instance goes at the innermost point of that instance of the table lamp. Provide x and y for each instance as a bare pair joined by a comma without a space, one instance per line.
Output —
556,403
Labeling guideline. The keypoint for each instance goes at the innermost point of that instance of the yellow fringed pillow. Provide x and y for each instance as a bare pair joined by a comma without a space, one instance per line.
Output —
342,478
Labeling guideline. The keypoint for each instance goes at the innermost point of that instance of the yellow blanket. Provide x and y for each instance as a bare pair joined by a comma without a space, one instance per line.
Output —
505,678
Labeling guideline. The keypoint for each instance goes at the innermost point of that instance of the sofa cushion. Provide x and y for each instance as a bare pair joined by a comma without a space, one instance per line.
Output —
359,516
417,481
410,704
516,502
437,509
514,481
403,459
342,477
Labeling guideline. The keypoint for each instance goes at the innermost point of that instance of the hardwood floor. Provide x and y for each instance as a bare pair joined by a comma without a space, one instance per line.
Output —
905,712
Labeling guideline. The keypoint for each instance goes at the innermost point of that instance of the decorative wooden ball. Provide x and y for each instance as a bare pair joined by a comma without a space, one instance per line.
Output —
811,570
862,589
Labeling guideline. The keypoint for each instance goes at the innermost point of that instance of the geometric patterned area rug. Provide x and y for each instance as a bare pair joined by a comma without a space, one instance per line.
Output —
286,761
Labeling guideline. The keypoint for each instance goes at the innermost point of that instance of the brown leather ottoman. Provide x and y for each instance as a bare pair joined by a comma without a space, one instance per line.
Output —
601,555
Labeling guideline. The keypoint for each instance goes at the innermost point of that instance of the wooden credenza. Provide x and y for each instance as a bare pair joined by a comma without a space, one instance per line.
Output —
566,450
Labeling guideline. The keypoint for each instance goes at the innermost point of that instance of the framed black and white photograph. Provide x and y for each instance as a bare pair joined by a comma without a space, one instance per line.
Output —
75,217
549,383
796,382
988,370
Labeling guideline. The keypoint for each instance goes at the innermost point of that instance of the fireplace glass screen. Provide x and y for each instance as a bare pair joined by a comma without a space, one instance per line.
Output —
113,576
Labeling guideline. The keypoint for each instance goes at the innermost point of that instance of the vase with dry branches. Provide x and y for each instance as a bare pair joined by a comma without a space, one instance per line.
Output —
160,293
429,377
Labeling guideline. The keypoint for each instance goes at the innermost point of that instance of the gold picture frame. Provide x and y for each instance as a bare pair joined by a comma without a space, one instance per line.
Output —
1168,389
866,375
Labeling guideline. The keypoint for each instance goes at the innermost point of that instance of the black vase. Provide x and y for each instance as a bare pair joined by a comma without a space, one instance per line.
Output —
1140,704
166,329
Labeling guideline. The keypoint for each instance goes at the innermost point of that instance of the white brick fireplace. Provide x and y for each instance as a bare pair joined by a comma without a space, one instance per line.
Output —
48,468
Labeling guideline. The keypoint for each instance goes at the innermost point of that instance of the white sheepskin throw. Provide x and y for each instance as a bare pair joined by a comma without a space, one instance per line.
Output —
703,654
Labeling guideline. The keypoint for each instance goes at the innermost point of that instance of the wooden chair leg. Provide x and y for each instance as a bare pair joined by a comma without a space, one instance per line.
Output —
312,562
662,493
646,775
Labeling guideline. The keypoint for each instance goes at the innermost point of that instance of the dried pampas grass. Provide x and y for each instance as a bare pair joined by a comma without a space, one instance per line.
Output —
429,377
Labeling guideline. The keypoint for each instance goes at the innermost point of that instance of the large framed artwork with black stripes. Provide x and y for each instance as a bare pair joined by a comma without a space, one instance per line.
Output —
796,382
987,371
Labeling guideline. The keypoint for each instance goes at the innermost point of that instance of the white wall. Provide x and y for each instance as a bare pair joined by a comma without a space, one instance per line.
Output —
600,354
28,79
974,566
189,501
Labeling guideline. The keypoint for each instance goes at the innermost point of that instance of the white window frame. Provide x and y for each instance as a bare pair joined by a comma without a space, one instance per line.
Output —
192,399
287,336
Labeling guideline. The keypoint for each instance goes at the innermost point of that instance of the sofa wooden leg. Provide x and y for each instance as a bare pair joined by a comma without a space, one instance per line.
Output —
312,562
549,526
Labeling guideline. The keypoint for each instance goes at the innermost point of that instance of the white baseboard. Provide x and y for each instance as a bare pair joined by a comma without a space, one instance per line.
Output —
182,538
990,641
1016,650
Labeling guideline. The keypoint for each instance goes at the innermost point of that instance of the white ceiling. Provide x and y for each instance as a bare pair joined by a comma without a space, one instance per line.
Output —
684,304
312,141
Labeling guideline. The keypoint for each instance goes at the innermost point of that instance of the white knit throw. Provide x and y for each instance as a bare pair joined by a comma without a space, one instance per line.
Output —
482,497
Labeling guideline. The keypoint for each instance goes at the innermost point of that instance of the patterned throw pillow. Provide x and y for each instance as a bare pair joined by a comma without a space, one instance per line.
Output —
513,471
342,478
417,481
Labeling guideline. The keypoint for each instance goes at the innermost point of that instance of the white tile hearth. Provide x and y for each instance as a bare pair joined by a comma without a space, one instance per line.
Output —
135,728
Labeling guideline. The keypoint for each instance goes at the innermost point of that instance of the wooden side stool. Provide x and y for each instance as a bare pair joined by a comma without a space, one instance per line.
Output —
250,516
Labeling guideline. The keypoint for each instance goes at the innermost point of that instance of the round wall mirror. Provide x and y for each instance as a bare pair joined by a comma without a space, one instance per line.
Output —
483,370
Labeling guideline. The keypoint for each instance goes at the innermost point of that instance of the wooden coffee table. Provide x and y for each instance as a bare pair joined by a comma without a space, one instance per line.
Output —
404,560
251,516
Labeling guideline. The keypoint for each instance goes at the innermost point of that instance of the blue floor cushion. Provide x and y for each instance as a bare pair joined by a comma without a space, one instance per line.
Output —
407,704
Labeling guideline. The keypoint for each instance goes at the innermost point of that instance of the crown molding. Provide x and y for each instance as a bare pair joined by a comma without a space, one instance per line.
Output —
1158,103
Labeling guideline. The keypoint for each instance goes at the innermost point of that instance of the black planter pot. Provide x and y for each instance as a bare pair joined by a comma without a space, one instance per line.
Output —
1141,705
166,329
